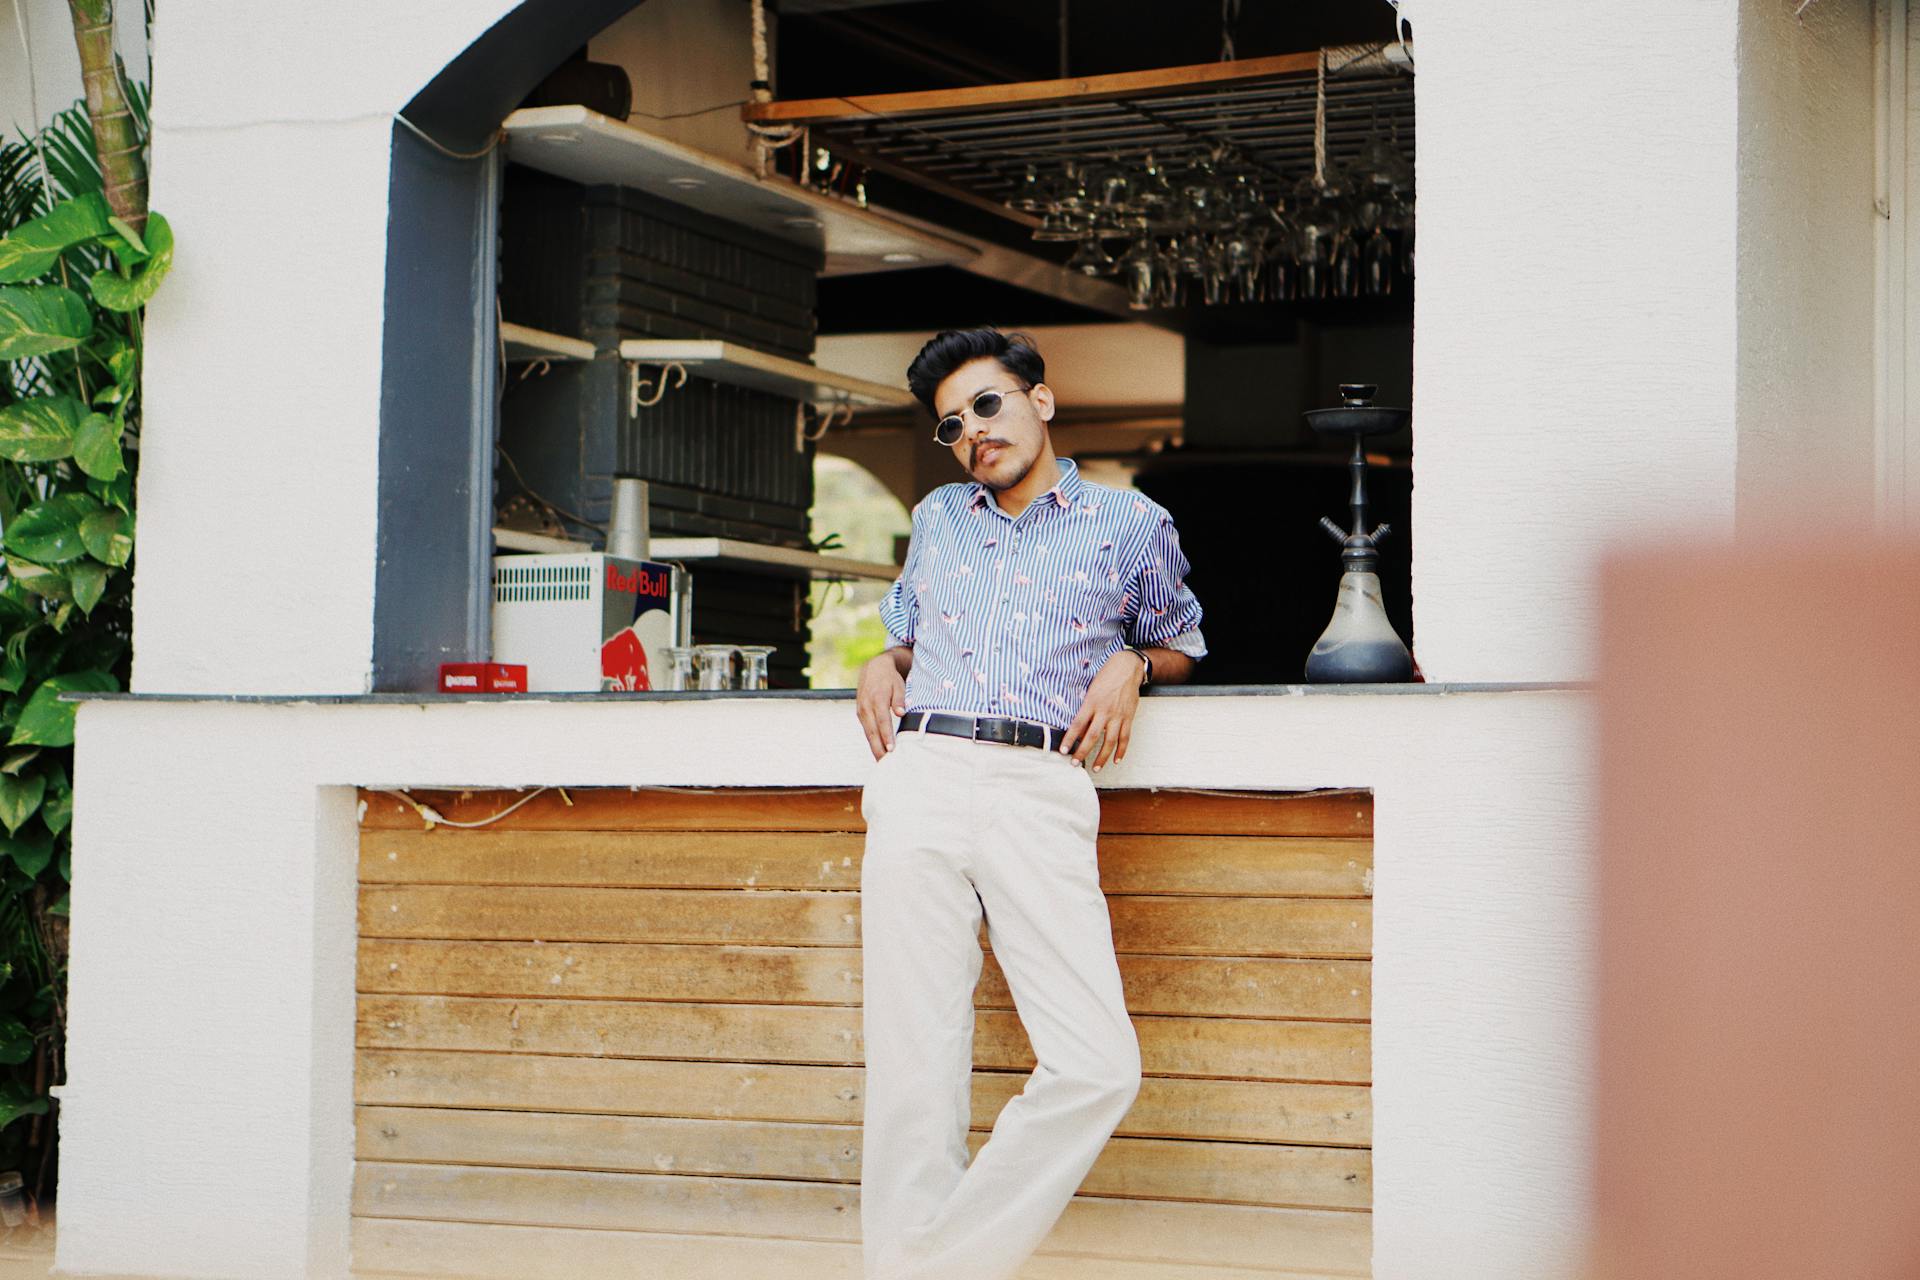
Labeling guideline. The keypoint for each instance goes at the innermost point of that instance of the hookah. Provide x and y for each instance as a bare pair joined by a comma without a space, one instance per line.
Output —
1359,645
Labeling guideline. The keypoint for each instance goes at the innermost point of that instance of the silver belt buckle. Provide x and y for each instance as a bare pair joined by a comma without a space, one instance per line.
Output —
1006,734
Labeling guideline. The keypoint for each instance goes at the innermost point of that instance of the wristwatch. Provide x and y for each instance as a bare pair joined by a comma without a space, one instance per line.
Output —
1146,665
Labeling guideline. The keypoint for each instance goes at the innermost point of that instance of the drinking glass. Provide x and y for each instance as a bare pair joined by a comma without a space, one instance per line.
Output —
753,665
716,665
680,667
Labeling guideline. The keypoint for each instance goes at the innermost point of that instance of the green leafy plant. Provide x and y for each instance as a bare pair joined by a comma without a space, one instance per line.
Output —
74,276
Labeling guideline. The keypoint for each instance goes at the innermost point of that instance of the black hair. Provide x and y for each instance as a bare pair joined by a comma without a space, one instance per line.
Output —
948,350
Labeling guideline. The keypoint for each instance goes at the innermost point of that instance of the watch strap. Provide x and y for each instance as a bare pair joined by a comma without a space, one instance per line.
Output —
1146,665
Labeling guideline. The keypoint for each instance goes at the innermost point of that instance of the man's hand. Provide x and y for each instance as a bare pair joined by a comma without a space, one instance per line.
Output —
1106,713
882,697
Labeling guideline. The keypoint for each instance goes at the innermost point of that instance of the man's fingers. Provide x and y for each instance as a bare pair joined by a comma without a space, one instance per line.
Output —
1075,729
874,744
1095,728
1117,741
1104,756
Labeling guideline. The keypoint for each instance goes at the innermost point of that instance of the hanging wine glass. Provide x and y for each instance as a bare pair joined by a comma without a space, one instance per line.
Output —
1072,195
1030,194
1139,268
1344,277
1057,225
1112,185
1239,262
1091,258
1166,282
1152,195
1376,264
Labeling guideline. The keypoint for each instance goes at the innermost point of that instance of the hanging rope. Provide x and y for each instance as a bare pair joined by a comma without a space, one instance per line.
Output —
1320,121
1229,16
766,138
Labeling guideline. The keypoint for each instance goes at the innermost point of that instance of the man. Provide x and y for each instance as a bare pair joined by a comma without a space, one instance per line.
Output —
1033,608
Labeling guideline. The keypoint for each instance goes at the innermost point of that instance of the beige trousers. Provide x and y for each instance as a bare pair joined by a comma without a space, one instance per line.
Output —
957,829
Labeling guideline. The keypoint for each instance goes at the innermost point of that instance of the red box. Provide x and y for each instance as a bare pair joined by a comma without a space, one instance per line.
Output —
483,677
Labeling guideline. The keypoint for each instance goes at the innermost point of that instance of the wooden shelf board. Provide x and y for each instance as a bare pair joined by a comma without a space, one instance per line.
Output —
790,561
787,562
525,343
587,147
729,362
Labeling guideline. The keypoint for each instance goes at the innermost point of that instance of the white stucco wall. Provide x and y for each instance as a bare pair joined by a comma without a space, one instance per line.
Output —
206,1124
261,441
1574,360
1574,312
33,89
1580,356
1807,265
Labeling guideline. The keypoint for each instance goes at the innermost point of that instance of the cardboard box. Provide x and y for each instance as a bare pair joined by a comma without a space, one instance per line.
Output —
483,677
584,621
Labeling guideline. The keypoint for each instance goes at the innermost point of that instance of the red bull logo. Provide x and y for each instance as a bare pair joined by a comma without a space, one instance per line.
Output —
639,582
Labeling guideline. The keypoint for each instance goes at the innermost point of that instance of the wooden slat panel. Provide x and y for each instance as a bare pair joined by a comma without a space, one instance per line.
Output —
1270,866
779,917
616,859
610,1143
612,970
387,1246
1316,813
1237,866
659,1202
1332,927
1203,985
1147,924
756,1091
726,1032
1149,1168
1233,1048
1208,1235
1220,1235
1229,1110
1218,1047
1226,1110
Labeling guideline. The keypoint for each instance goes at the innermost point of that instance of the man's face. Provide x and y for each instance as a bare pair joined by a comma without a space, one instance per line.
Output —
997,451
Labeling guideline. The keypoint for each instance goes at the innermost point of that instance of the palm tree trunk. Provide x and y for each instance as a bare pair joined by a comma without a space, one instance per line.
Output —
116,137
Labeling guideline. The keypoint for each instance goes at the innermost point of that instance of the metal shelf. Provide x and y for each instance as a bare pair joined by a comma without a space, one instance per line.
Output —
587,147
524,343
724,361
975,144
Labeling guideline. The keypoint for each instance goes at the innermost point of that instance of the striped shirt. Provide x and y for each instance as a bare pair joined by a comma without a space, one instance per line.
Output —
1013,617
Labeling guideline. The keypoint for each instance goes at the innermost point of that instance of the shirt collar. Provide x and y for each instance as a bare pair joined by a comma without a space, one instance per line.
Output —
1063,494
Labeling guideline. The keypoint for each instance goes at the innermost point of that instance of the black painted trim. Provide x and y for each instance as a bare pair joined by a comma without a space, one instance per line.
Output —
439,412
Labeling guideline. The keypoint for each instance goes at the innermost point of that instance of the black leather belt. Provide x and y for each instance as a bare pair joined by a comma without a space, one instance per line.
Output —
1015,733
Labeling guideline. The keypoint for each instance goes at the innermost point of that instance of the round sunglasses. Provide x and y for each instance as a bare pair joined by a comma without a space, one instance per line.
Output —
948,430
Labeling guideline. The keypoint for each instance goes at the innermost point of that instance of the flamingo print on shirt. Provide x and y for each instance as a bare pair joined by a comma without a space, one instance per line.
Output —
1080,572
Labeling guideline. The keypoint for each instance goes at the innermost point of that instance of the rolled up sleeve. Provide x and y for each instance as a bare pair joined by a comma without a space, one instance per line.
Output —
1164,607
900,607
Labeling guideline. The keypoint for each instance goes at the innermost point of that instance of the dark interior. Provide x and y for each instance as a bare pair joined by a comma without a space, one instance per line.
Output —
1247,485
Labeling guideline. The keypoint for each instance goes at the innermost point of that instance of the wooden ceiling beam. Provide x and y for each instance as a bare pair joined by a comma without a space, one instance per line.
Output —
1125,84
